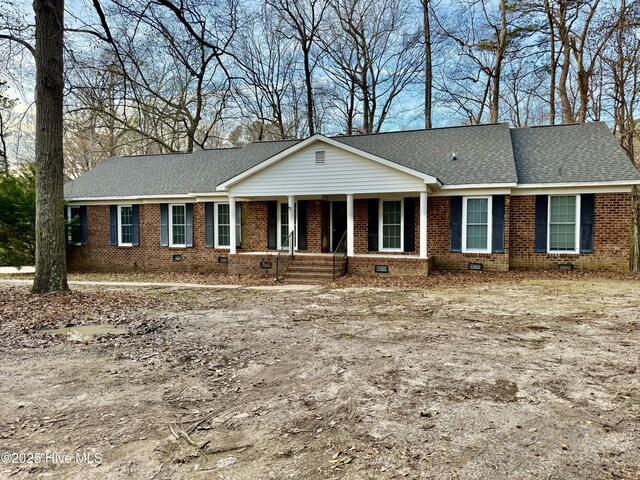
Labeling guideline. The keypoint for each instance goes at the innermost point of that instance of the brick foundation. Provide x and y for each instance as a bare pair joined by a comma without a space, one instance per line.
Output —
398,266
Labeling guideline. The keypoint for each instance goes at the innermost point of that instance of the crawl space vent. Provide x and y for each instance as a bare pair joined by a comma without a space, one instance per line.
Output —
320,157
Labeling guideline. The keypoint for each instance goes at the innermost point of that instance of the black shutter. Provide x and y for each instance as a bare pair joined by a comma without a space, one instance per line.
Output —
587,208
409,224
373,241
83,225
113,224
542,212
455,224
135,225
497,224
238,224
302,224
189,224
164,224
208,224
272,225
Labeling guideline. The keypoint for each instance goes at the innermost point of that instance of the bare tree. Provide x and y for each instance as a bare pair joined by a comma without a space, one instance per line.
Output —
376,50
51,267
484,38
267,90
428,63
304,18
6,110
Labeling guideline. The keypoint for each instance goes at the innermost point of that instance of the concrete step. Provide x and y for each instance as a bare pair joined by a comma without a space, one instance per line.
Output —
311,262
319,275
298,268
306,281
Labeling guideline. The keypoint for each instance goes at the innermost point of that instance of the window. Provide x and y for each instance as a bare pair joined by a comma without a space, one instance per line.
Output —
476,224
283,225
563,223
223,225
391,225
125,225
178,225
74,232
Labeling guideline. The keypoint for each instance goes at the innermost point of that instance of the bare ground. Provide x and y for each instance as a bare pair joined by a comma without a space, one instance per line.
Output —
523,377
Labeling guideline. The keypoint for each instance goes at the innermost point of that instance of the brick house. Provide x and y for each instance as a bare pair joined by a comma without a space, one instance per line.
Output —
475,197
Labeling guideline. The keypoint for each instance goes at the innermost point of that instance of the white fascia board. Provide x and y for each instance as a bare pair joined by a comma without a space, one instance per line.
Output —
472,186
449,192
579,184
428,179
129,199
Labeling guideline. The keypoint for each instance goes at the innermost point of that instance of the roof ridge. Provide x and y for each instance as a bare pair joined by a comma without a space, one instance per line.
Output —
176,153
420,130
574,124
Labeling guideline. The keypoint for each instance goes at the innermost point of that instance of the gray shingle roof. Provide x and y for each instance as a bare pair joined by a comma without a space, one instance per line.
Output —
170,174
586,152
485,154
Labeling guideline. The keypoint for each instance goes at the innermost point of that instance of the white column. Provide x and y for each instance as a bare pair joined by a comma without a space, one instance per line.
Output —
292,221
350,229
423,224
232,225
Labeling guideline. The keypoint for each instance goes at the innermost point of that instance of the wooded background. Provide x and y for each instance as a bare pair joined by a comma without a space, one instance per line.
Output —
160,76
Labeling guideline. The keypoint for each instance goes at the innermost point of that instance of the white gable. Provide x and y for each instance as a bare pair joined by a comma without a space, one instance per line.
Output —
341,172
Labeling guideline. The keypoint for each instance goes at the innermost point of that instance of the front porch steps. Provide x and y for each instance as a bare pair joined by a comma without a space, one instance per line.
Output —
310,269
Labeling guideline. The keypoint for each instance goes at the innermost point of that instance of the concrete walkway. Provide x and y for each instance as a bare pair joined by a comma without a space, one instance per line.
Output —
275,288
14,270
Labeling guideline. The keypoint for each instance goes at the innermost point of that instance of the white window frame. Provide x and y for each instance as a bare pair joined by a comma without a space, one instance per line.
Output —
120,242
489,200
69,218
576,250
171,244
215,223
295,227
381,226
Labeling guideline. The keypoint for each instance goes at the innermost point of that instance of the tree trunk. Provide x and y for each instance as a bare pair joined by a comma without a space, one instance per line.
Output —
497,69
307,81
428,64
554,64
3,148
51,265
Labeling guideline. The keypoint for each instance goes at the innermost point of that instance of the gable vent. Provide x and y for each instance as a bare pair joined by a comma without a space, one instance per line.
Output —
320,157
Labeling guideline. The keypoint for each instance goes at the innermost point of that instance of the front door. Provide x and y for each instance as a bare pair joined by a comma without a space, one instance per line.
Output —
338,222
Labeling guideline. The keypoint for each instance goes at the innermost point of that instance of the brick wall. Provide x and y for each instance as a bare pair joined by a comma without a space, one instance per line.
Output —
612,229
247,264
254,226
99,255
361,228
439,240
611,240
317,224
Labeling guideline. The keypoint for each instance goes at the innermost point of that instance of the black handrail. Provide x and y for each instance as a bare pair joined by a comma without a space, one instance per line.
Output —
340,249
288,243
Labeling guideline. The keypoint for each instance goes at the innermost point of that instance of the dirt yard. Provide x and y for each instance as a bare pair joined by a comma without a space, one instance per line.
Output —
512,379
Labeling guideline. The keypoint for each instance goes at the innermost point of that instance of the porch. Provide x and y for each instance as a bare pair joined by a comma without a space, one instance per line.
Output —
322,238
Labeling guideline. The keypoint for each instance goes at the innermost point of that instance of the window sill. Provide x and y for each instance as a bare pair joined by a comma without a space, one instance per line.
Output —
125,245
562,252
178,247
477,252
383,250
